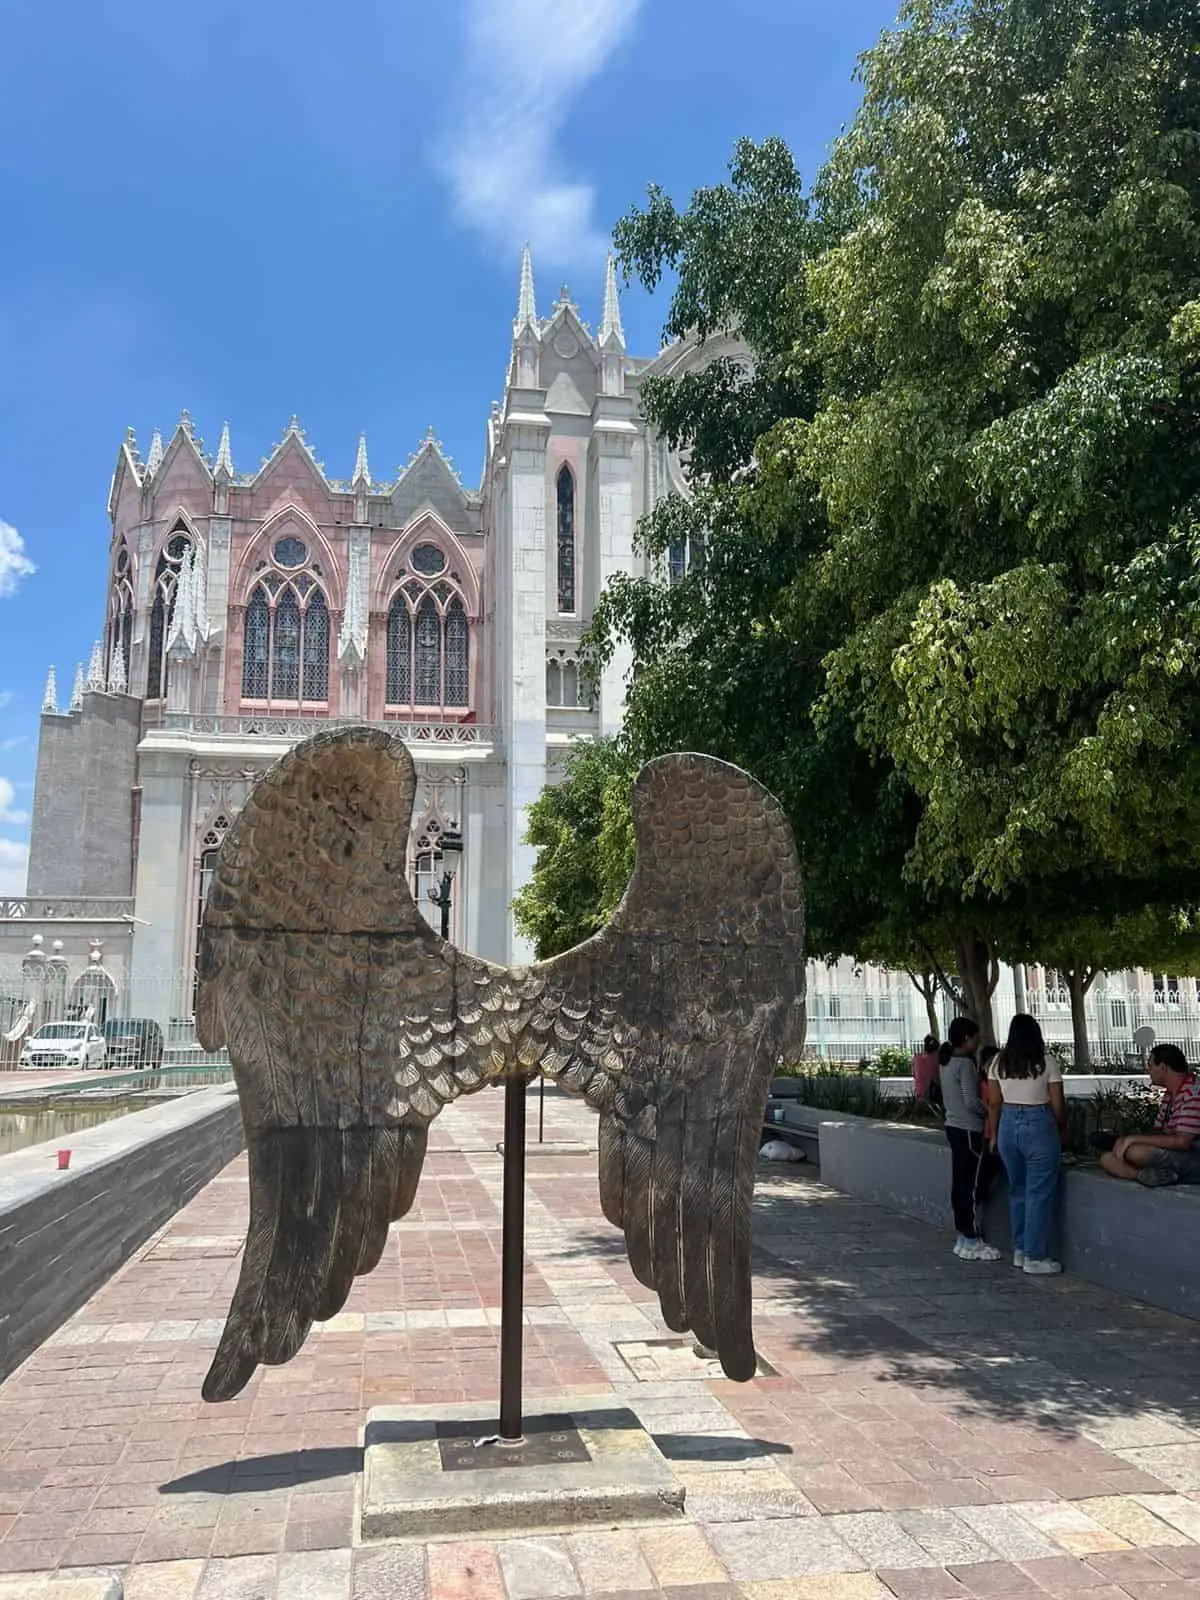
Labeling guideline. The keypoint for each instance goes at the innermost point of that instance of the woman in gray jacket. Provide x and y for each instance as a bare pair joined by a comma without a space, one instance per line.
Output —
966,1121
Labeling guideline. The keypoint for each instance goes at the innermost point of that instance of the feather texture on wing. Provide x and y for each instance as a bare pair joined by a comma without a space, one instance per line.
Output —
350,1024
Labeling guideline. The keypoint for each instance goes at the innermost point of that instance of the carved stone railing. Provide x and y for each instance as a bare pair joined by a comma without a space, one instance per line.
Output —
51,908
272,727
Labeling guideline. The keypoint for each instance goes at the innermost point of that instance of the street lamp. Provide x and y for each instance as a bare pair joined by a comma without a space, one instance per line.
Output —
447,856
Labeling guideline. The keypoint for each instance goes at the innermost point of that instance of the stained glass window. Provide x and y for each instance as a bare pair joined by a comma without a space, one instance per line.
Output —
676,562
428,654
427,559
256,657
286,652
120,627
290,552
566,540
316,648
399,653
285,648
428,651
458,662
166,578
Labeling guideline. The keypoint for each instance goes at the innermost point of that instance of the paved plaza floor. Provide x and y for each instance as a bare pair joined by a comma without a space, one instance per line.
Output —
926,1427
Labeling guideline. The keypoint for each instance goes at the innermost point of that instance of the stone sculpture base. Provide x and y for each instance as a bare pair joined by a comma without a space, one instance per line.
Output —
425,1478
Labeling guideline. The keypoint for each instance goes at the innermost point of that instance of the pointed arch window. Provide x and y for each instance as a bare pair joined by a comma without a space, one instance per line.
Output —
562,681
565,500
428,648
285,653
120,615
399,654
166,586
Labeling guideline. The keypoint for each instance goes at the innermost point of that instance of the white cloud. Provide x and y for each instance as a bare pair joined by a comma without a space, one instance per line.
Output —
14,563
10,818
14,865
526,61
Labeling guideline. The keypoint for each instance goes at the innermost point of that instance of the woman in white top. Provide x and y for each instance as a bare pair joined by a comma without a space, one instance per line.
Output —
1025,1095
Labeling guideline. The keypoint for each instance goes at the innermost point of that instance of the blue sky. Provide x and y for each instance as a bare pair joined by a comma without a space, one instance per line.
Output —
255,210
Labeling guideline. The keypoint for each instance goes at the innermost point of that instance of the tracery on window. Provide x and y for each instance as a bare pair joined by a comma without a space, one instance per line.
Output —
428,648
285,655
566,540
119,635
427,559
290,552
166,584
563,685
684,556
422,868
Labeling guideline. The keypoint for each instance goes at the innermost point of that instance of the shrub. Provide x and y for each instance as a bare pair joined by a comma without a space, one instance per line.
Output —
891,1061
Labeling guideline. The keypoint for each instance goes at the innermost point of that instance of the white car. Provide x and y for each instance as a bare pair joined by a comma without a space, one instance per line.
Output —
64,1044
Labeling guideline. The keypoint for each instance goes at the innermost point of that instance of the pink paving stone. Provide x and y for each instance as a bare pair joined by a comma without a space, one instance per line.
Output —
922,1583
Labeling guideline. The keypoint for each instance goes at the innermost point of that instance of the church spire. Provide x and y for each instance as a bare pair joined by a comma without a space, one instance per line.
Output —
154,459
526,302
50,697
362,473
96,682
352,640
116,670
182,638
610,325
77,688
200,596
224,453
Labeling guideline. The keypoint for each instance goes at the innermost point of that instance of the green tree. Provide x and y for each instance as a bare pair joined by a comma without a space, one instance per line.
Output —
583,832
1007,445
732,659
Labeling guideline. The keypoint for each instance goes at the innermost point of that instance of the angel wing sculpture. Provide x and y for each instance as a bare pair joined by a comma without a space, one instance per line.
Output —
351,1024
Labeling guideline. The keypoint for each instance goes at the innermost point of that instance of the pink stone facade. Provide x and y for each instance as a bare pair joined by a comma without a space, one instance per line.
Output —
279,620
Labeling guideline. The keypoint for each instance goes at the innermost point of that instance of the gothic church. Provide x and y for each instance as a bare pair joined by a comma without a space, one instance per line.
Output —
247,609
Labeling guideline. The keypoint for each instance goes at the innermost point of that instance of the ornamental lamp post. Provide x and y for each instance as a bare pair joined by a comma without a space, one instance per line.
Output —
447,856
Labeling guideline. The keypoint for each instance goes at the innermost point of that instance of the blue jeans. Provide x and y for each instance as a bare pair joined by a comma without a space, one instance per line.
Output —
1031,1152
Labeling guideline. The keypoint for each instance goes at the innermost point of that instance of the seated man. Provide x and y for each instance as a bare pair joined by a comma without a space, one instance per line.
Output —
1172,1153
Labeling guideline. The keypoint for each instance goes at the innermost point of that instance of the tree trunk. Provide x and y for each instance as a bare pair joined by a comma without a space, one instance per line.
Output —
1079,981
979,973
926,985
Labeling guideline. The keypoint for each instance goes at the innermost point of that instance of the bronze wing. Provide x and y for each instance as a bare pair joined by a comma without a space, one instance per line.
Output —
350,1024
671,1022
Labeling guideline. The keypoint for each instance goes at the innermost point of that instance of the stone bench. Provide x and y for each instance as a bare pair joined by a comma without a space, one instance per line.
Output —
1141,1242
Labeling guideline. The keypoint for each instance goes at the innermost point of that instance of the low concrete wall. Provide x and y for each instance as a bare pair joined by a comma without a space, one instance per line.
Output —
1142,1242
63,1234
1076,1085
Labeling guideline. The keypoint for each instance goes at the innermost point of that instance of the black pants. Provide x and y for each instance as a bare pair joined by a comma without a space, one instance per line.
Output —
972,1168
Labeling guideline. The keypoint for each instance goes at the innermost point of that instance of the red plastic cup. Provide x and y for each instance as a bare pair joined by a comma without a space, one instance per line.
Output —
64,1160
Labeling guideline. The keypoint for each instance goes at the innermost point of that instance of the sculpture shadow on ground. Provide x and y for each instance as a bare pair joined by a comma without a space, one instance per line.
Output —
880,1294
279,1470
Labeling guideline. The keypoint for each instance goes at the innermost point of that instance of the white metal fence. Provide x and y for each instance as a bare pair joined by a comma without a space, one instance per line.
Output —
849,1017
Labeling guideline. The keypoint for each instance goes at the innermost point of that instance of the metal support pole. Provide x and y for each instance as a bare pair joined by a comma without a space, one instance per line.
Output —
541,1107
512,1258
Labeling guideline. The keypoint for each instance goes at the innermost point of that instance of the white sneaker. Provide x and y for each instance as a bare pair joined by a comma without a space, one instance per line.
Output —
1018,1258
1041,1269
975,1250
